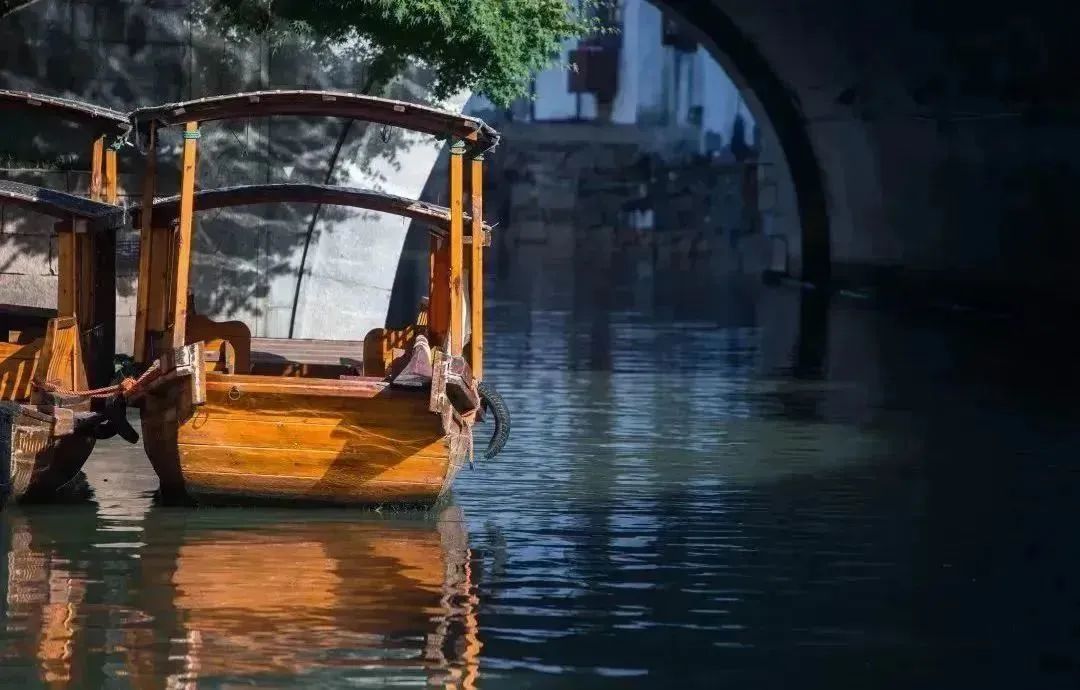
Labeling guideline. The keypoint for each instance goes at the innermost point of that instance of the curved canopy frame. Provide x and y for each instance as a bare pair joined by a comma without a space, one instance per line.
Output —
437,217
95,116
418,118
61,205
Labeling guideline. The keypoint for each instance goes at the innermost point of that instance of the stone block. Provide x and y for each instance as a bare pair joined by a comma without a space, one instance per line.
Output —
27,254
29,290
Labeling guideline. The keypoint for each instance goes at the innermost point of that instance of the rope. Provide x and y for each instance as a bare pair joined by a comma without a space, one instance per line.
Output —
127,388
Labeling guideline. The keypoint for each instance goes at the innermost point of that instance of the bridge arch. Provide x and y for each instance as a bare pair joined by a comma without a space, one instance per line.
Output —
778,112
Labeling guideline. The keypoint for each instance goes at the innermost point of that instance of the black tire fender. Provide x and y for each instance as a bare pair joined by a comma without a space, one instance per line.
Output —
492,402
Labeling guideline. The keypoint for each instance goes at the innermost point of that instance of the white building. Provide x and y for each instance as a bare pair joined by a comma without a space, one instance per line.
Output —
693,90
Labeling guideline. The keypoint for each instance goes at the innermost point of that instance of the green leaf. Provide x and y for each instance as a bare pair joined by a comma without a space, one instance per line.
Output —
493,47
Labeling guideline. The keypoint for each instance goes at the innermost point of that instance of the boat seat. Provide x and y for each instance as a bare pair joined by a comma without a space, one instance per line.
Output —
228,343
306,358
18,359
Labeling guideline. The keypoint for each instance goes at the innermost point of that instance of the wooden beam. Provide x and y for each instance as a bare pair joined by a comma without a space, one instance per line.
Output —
101,345
97,157
162,267
65,269
83,261
111,195
145,237
476,269
183,241
84,274
456,241
439,294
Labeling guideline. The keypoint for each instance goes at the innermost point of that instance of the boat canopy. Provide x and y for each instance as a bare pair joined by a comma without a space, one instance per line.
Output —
437,217
104,119
61,205
419,118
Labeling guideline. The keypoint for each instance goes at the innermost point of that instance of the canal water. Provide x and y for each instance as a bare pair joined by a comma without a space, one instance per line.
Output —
710,483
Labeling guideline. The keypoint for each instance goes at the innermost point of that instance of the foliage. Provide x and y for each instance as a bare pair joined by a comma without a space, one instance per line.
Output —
490,46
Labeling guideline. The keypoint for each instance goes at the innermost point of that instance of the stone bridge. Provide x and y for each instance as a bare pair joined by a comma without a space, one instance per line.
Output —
924,146
932,144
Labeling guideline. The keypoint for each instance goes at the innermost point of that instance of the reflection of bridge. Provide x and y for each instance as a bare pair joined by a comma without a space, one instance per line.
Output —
244,597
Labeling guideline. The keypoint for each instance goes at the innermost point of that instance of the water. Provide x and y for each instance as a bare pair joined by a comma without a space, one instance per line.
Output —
708,485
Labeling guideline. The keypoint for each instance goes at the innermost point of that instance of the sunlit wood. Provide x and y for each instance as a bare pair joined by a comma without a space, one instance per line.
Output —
456,242
182,262
476,269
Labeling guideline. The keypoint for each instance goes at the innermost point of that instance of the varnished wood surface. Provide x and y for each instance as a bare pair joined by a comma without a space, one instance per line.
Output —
65,273
439,302
181,266
457,249
382,345
61,360
260,438
236,333
476,270
111,177
17,363
39,462
97,168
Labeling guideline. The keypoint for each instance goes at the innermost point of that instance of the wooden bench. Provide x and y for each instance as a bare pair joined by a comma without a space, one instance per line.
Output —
306,358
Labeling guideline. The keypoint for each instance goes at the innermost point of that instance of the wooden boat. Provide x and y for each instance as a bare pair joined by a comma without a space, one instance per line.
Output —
387,595
49,359
48,418
231,425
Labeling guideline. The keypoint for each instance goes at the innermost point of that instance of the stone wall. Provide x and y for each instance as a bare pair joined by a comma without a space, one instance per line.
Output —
629,187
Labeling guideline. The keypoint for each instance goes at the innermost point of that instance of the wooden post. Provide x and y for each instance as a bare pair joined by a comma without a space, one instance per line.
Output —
183,241
457,243
111,195
439,293
476,270
83,279
65,269
145,242
96,165
83,262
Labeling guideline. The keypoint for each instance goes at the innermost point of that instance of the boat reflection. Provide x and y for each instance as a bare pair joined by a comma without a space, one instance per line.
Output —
253,596
217,598
44,595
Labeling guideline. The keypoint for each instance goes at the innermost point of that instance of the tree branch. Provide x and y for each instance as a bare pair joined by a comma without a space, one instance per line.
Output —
12,6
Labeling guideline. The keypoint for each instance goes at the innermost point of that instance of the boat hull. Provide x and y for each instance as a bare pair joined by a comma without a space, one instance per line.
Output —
308,441
34,463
